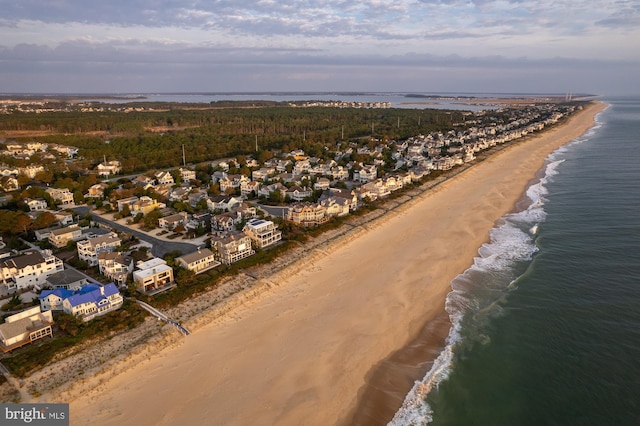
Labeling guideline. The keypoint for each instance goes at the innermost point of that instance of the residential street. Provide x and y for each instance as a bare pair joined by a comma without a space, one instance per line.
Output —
159,247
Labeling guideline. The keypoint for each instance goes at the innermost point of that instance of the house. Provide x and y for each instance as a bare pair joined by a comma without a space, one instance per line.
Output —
187,175
308,214
9,183
297,193
267,190
349,195
321,184
68,279
64,218
374,190
335,206
126,202
263,173
60,237
88,249
231,182
196,196
63,195
198,261
29,269
144,182
365,174
25,327
263,232
164,178
51,300
93,300
145,205
232,247
246,188
199,220
222,202
226,221
36,204
171,221
32,170
108,168
153,276
115,266
180,193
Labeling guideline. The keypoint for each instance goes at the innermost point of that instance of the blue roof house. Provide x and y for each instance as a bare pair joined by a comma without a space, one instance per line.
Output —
93,301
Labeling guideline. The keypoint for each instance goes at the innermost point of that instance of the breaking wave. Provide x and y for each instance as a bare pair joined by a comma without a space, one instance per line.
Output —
477,293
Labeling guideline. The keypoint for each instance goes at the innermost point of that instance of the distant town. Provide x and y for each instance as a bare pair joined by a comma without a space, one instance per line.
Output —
84,245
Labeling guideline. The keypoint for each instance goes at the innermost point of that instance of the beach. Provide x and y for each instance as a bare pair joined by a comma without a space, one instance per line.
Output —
312,349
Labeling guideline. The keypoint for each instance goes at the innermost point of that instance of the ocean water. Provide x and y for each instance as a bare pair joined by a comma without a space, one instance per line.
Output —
546,323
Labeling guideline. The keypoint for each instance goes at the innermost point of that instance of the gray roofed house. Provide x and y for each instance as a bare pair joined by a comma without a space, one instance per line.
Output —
198,261
69,279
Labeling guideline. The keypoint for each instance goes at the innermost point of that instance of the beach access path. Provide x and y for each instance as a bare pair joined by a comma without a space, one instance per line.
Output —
304,352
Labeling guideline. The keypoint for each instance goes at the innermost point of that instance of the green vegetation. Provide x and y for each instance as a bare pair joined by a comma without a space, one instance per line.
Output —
70,331
145,140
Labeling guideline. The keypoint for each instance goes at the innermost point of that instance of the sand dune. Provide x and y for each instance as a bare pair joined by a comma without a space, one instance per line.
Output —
303,352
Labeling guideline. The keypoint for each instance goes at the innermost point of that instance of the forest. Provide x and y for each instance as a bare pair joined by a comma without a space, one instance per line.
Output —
143,140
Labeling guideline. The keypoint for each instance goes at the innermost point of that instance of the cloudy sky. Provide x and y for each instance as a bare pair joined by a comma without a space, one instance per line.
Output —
96,46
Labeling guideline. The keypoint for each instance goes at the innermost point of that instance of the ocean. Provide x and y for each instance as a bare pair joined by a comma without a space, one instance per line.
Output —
546,323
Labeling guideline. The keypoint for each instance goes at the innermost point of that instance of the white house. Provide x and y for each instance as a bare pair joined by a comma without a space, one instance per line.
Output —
93,300
153,276
29,269
88,249
263,232
108,168
63,195
36,204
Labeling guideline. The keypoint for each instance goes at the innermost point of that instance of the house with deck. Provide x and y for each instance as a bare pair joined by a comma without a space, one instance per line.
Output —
93,300
25,327
231,247
263,232
88,249
153,276
199,261
28,269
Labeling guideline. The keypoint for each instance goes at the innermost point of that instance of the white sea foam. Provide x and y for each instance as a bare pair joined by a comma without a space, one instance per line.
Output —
510,242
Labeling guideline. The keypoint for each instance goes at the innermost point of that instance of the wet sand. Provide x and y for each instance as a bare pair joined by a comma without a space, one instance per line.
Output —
310,350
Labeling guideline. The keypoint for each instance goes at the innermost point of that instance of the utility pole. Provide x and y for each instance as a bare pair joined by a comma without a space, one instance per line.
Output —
256,143
184,159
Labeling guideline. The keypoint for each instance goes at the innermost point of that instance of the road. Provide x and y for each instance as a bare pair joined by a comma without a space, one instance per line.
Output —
160,247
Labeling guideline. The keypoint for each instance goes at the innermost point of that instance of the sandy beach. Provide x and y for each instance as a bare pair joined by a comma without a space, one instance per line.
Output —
314,348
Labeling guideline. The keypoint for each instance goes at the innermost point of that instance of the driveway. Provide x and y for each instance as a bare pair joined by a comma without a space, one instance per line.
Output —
159,247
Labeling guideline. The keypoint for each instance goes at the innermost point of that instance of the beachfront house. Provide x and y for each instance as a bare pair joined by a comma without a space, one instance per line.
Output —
231,247
263,232
153,276
93,300
25,327
199,261
308,214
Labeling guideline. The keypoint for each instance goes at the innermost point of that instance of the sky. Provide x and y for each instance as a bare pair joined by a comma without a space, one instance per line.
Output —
154,46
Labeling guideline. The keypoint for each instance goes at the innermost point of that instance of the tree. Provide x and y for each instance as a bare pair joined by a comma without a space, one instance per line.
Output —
44,220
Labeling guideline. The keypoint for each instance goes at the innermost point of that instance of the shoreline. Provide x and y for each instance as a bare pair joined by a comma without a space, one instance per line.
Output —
376,404
283,385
